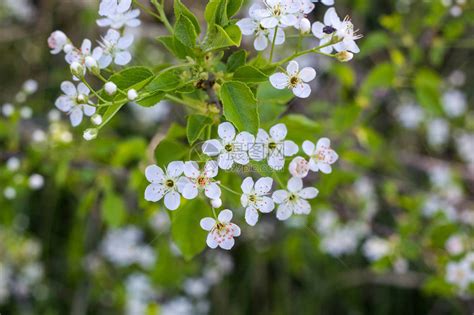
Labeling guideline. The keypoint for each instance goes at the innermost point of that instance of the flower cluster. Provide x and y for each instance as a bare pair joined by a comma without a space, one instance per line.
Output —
268,21
186,179
113,48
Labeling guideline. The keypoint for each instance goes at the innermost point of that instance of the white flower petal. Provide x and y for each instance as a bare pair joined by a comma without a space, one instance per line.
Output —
122,58
64,103
308,193
212,147
225,161
295,184
251,216
191,169
225,216
308,147
154,174
324,167
260,42
75,116
190,191
276,161
154,192
211,169
125,41
88,110
265,205
292,68
280,196
283,212
68,88
207,223
307,74
323,143
269,22
290,148
212,191
263,185
175,168
317,30
235,229
247,185
172,200
226,131
211,241
278,132
313,165
279,80
303,207
247,26
227,244
302,90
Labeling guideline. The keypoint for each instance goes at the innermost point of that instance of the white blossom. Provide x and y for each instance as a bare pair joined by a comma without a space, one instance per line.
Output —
454,103
294,79
334,29
294,199
13,164
114,48
273,147
252,26
255,198
321,155
459,274
454,244
410,115
30,86
36,181
75,102
376,248
79,55
230,147
299,167
117,14
168,185
201,180
221,231
56,41
277,13
8,109
437,132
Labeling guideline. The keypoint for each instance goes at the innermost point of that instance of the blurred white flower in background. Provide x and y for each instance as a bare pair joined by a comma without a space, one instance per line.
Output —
454,103
123,247
410,115
376,248
437,132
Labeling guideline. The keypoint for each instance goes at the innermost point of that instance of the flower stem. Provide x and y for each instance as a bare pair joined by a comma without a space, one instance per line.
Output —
144,8
93,91
315,50
273,43
230,190
162,15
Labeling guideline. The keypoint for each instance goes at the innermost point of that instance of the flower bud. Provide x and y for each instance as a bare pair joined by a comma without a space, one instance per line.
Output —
344,56
36,181
216,203
92,65
77,69
110,88
90,134
305,26
56,41
96,119
132,94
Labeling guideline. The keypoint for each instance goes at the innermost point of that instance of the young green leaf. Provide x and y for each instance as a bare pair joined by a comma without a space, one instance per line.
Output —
195,126
185,32
181,9
240,106
236,60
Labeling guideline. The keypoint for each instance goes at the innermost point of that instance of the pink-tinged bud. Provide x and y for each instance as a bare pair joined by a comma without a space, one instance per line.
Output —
56,41
132,95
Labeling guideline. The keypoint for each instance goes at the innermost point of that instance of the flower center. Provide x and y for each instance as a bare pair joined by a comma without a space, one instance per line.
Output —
277,10
253,198
169,183
292,197
272,145
202,181
228,147
81,98
294,80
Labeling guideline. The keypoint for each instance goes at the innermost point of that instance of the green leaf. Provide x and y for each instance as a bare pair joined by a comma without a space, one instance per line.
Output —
236,60
185,227
195,126
151,100
168,80
301,128
113,209
427,85
216,13
240,106
249,74
185,32
174,46
233,6
181,10
382,76
219,37
271,102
